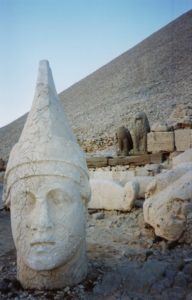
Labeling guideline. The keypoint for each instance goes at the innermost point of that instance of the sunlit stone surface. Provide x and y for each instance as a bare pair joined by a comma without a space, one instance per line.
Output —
47,189
169,211
168,203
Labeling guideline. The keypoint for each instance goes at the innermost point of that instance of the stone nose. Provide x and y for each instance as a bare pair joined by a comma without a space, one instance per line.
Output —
41,219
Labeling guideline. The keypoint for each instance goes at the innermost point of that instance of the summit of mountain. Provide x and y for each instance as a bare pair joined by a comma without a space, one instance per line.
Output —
154,76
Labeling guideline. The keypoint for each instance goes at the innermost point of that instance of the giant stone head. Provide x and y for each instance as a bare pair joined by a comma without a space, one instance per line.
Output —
47,189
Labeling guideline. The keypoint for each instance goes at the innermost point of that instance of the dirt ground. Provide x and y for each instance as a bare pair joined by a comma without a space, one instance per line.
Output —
126,261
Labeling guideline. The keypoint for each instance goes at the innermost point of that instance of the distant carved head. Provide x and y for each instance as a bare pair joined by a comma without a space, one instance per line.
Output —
47,184
140,129
141,118
124,140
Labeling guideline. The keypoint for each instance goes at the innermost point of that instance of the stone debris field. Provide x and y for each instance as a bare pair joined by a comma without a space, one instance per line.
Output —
126,261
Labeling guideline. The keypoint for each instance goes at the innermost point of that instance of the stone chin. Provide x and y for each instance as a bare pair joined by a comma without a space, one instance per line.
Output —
44,263
43,260
42,256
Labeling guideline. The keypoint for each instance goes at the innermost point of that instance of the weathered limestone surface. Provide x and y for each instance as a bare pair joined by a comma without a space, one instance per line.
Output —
143,182
47,187
183,139
159,127
101,174
148,170
168,204
124,141
136,188
131,191
160,141
121,177
181,117
110,195
106,194
134,160
164,179
185,157
170,210
140,129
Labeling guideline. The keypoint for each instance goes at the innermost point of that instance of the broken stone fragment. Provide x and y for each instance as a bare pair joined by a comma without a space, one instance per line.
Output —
168,210
164,179
106,194
185,157
109,195
121,177
142,182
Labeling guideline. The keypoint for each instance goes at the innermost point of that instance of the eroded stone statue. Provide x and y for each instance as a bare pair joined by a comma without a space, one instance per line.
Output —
168,203
140,129
124,141
47,189
163,180
169,211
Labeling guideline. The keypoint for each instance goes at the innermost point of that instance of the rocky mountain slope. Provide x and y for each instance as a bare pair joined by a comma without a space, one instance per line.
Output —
153,77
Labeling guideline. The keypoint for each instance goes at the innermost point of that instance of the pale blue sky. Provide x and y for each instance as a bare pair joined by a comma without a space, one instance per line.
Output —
76,36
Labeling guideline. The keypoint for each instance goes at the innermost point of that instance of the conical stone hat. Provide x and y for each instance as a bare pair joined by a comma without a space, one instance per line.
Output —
47,145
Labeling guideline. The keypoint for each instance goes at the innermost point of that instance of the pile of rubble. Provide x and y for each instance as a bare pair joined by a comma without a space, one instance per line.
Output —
97,144
165,191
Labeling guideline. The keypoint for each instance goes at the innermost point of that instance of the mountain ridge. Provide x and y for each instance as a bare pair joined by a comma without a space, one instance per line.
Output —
153,76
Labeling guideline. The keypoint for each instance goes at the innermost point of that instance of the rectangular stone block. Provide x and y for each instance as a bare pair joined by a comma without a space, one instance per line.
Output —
160,141
183,139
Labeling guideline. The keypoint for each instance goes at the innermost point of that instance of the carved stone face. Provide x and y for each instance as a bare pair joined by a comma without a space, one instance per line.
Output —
48,220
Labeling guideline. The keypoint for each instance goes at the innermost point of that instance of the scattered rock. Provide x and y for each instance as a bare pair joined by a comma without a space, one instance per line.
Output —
168,210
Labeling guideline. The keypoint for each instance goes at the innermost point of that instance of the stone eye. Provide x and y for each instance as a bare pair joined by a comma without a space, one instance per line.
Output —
30,199
57,197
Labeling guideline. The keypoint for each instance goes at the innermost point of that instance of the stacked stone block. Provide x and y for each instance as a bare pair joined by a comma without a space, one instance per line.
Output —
183,139
165,139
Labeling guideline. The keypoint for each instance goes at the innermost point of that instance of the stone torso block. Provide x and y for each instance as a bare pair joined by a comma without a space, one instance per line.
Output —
106,194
